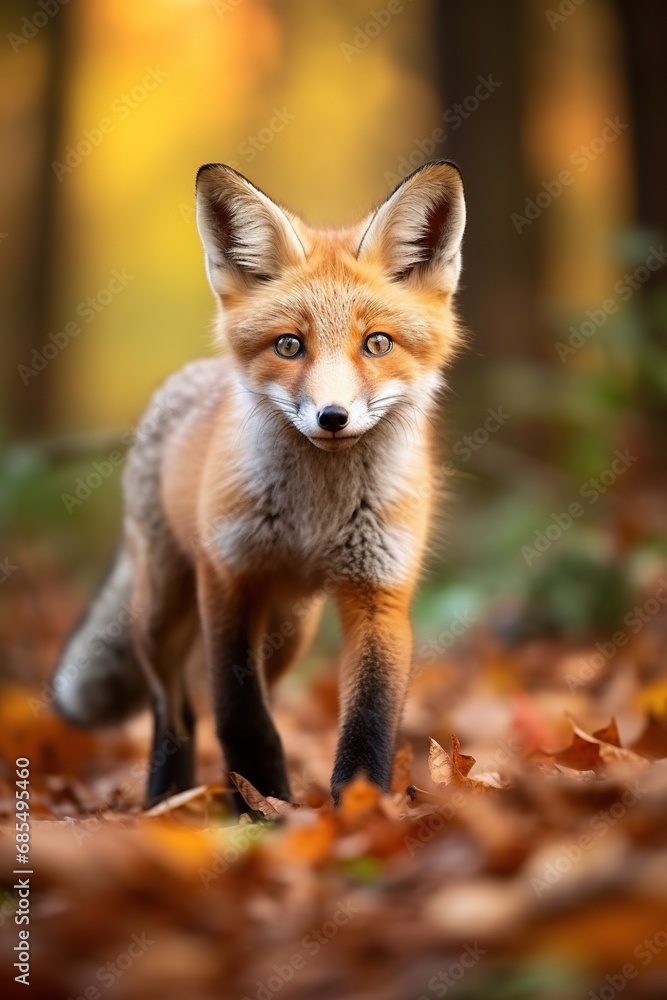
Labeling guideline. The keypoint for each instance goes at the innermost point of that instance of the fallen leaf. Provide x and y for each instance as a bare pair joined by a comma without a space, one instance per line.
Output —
608,734
194,801
583,754
462,762
610,753
454,769
269,806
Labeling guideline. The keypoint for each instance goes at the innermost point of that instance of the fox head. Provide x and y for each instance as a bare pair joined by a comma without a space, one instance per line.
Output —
337,330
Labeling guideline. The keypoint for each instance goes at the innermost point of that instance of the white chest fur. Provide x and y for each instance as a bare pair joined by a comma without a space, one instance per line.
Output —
316,514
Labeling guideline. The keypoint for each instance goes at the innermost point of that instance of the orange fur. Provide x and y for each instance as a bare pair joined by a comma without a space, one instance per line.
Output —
279,477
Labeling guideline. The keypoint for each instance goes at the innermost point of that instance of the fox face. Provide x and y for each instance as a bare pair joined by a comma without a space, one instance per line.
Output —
335,332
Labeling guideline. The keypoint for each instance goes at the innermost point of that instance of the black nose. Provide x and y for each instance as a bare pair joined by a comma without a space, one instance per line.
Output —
333,418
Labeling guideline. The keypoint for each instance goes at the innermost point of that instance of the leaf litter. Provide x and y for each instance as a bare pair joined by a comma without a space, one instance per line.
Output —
521,851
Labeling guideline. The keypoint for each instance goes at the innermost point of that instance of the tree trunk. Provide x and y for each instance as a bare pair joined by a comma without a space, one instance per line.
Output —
644,29
30,402
497,300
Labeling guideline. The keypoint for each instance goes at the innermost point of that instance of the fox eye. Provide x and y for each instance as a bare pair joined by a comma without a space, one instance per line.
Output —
377,344
288,346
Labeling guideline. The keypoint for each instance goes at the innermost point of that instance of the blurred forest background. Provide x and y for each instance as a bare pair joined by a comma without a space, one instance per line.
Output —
539,847
107,110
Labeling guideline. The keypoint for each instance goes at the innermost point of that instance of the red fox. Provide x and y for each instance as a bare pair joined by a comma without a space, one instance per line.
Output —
295,465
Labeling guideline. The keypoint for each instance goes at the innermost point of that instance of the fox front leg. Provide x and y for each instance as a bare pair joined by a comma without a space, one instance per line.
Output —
377,653
232,613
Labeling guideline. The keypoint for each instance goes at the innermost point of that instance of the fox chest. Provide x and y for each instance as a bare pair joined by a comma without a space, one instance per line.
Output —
311,526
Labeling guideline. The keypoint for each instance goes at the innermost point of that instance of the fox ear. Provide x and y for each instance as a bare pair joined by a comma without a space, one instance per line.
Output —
418,229
246,236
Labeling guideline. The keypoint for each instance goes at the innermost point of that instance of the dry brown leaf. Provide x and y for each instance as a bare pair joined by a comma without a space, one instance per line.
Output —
441,765
593,752
608,734
462,762
438,872
610,753
583,754
454,769
269,806
197,801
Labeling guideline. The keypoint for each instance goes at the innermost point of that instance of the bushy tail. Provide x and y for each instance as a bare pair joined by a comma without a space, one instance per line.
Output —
98,680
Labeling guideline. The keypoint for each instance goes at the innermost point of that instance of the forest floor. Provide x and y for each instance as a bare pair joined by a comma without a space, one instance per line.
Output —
521,854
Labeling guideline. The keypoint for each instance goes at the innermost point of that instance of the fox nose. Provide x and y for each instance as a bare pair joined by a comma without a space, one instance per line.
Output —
333,418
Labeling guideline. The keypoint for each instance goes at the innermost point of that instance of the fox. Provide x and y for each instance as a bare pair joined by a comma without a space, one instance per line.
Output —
293,466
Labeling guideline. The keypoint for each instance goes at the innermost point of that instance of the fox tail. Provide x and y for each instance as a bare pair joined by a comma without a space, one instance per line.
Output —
98,680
